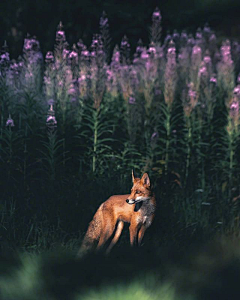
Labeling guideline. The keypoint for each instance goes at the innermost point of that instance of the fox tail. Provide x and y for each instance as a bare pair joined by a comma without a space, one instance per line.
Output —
93,232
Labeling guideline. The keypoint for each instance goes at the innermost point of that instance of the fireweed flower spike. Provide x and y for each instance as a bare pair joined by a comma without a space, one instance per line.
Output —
234,106
73,61
191,100
196,60
32,53
4,56
155,30
73,55
183,38
104,30
60,34
225,70
125,51
49,75
170,76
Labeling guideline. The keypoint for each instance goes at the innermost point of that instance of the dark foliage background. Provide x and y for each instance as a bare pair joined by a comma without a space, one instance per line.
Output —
81,19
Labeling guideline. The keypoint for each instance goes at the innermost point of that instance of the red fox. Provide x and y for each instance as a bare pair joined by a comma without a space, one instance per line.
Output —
137,208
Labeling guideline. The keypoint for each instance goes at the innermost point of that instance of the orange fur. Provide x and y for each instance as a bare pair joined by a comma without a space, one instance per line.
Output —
137,208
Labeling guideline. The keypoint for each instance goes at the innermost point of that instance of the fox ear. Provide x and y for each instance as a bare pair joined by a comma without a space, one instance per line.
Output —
133,178
145,179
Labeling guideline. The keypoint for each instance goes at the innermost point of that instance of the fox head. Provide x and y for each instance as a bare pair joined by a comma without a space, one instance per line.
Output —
141,190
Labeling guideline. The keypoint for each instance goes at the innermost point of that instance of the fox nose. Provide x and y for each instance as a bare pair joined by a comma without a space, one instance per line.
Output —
130,201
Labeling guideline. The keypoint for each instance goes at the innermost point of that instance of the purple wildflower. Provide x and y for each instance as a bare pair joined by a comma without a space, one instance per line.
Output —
152,50
144,55
10,122
49,57
82,78
125,51
156,16
190,42
60,34
207,59
105,36
81,46
65,53
109,74
154,139
156,26
85,53
124,42
131,100
154,136
226,53
71,90
212,38
196,50
206,29
4,58
202,70
96,42
190,100
199,34
234,109
73,55
192,94
103,20
213,79
170,76
175,36
236,91
50,102
51,120
167,39
31,44
184,35
139,48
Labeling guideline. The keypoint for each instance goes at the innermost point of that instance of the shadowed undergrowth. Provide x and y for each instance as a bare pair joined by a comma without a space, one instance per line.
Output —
209,272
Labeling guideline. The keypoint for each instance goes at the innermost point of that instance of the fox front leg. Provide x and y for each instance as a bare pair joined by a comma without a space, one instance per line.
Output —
141,234
133,230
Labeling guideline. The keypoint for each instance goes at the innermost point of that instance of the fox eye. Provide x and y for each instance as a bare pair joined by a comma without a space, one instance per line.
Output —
137,192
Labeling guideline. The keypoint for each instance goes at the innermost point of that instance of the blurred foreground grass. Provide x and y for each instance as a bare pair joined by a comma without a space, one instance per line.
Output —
209,272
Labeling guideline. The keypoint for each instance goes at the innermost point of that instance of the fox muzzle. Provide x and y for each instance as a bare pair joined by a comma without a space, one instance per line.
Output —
130,201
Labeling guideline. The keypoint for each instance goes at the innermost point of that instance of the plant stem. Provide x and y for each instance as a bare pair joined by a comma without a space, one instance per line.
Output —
95,139
168,129
189,138
231,161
